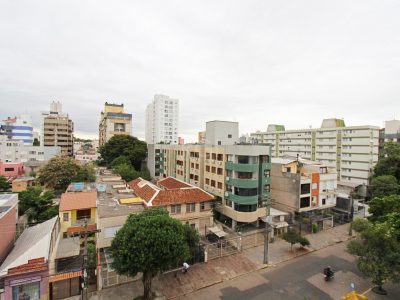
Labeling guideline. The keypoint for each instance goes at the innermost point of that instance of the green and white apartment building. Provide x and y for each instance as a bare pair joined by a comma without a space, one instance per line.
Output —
237,174
353,150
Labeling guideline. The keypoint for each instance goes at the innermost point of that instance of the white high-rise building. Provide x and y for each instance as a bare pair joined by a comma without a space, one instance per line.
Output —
162,119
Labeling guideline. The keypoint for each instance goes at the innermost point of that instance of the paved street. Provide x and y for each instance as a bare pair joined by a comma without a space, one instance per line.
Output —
300,278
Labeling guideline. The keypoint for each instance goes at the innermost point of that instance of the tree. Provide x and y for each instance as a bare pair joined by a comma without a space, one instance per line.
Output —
378,250
38,205
389,162
4,185
292,237
36,142
149,242
124,145
192,239
380,207
126,171
61,171
120,160
384,185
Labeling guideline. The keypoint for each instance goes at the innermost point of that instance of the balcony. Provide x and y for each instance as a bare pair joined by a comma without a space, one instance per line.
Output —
241,167
241,199
242,183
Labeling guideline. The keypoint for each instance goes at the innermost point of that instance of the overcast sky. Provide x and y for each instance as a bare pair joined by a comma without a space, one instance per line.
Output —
255,62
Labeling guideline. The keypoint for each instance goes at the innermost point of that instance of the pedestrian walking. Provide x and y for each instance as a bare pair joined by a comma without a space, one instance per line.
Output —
185,267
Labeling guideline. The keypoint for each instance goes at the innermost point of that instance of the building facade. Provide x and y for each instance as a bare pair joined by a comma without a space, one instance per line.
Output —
8,223
299,185
237,175
162,120
18,129
17,151
57,129
352,150
113,121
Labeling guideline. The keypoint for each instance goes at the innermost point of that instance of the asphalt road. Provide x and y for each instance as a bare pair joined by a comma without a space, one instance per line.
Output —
299,278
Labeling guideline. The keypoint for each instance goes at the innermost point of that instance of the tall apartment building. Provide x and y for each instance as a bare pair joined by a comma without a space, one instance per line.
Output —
162,120
57,129
238,175
113,121
353,150
18,129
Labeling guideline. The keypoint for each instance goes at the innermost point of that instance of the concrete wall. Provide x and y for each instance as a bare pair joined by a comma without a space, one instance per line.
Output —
285,189
222,133
7,231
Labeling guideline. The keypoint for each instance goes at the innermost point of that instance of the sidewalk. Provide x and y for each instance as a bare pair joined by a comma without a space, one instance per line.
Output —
173,285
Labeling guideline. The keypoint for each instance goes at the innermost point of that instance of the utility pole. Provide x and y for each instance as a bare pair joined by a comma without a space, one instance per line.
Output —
266,239
351,216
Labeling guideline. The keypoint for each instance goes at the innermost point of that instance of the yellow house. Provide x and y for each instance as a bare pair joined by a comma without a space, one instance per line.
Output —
77,212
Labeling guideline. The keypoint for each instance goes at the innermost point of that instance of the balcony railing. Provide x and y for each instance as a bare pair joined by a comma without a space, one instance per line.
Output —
81,222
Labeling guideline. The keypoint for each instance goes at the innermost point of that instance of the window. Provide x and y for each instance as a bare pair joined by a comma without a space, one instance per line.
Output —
175,209
9,169
207,168
229,136
305,188
323,201
66,217
220,185
207,181
267,188
220,171
304,202
314,186
204,206
214,156
213,183
190,207
207,155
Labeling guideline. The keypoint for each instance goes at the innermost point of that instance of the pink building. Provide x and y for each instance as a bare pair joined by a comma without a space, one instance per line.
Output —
8,223
12,169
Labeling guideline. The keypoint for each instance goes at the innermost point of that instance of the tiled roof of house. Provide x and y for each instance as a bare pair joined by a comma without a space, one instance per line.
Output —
171,183
155,196
33,265
78,200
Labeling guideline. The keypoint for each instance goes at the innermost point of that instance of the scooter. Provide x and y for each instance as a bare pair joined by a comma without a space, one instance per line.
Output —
328,274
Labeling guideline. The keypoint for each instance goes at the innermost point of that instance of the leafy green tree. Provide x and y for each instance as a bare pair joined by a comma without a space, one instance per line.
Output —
384,185
389,162
380,207
149,242
192,239
292,237
61,171
126,171
4,185
85,173
124,145
120,160
36,142
38,205
378,249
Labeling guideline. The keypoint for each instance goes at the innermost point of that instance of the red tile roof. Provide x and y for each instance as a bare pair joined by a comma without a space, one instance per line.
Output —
78,200
78,229
33,265
143,188
154,196
171,183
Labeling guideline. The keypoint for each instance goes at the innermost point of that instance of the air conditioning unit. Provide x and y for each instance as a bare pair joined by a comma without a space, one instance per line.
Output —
226,194
227,178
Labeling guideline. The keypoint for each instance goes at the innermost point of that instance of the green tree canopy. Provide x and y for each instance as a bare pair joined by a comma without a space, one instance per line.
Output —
124,145
126,171
4,185
389,162
120,160
38,205
292,237
60,171
378,249
149,242
380,207
384,185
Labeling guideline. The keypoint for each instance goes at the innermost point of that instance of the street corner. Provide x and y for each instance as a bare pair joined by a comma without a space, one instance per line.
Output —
339,285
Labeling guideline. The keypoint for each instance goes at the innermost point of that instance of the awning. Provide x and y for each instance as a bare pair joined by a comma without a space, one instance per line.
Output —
218,232
78,229
64,276
279,224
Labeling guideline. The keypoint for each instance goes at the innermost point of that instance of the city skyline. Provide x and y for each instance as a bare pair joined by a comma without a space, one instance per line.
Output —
257,64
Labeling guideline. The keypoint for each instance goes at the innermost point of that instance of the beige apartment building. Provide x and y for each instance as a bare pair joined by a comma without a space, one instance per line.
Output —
57,129
237,175
113,120
352,150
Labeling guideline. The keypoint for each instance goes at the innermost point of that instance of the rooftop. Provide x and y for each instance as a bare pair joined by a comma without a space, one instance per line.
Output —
111,203
34,243
78,200
171,183
155,196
